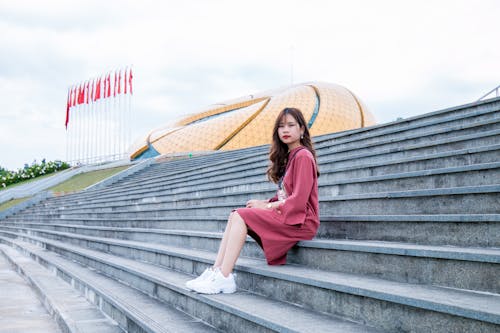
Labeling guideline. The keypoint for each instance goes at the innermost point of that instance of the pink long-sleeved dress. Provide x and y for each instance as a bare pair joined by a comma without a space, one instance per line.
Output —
277,230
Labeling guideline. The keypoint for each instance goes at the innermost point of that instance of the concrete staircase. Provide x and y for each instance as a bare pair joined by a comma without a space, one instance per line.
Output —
409,238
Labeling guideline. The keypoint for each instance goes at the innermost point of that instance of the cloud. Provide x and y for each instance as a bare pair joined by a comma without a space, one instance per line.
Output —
401,58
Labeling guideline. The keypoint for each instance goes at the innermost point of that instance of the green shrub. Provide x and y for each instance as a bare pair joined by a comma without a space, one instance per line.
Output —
12,177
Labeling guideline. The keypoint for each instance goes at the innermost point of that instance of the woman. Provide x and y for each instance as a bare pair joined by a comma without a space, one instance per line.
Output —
276,224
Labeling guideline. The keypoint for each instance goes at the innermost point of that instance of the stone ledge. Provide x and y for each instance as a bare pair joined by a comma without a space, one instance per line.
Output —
243,305
474,305
70,310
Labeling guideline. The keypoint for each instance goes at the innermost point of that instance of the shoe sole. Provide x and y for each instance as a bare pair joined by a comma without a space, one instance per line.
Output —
222,291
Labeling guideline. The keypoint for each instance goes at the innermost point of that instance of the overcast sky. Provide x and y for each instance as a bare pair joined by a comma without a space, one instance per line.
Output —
402,58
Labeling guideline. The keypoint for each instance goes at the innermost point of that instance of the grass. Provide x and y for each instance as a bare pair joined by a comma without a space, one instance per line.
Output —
84,180
13,202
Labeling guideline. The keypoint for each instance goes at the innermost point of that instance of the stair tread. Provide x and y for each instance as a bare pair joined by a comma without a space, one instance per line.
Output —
262,310
471,304
481,254
69,305
458,190
157,315
401,160
396,161
329,217
139,192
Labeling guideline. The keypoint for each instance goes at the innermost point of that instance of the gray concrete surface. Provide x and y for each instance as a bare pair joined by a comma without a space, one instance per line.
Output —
393,198
20,309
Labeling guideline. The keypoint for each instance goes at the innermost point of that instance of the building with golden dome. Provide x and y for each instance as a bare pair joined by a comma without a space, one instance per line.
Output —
248,121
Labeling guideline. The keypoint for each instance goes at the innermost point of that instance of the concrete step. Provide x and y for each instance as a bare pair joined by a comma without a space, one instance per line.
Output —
402,128
461,115
363,154
447,132
20,306
240,312
467,200
466,268
72,312
459,200
133,310
483,135
215,156
472,230
403,304
329,184
422,130
440,118
386,156
403,192
482,155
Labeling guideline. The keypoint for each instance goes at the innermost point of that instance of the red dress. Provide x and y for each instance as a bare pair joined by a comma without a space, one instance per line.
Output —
277,230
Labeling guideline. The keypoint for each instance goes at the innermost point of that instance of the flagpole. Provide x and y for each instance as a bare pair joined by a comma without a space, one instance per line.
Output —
108,116
120,119
115,118
80,127
105,115
122,114
89,128
92,128
128,120
99,122
95,129
132,100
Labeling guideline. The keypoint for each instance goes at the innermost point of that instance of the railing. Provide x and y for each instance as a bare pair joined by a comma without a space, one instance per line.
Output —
494,90
98,159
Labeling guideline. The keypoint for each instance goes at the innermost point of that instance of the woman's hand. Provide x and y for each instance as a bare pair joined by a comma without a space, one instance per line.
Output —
257,204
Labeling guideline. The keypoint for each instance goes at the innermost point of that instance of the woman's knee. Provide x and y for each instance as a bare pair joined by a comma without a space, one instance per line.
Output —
237,219
235,216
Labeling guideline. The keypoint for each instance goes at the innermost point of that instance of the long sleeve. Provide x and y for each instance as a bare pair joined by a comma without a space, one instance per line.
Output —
294,209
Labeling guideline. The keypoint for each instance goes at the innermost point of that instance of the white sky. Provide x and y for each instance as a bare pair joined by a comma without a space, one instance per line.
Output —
402,58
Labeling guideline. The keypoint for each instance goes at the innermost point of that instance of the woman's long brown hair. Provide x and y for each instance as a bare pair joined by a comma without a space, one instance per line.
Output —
279,150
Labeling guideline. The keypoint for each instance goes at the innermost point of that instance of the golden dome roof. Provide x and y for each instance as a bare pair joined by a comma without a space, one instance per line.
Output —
248,121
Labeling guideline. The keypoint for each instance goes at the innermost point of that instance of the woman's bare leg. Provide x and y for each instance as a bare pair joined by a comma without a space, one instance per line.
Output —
223,243
235,240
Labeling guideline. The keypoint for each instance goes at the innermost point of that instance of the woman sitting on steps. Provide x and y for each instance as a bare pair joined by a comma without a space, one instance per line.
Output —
276,224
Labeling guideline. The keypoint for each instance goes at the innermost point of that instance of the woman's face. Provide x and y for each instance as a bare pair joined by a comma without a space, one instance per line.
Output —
289,131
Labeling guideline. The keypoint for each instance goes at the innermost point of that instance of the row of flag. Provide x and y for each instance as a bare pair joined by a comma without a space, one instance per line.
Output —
105,86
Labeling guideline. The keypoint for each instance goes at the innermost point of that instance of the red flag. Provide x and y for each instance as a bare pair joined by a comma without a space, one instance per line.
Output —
92,91
116,82
125,82
108,92
105,87
80,94
73,96
87,90
119,80
130,80
97,94
68,105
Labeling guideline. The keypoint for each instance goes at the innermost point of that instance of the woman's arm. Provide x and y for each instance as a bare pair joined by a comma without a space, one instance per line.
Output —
257,204
294,208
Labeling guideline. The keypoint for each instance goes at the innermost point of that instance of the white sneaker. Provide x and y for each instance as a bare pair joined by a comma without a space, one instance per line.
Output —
216,284
207,274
